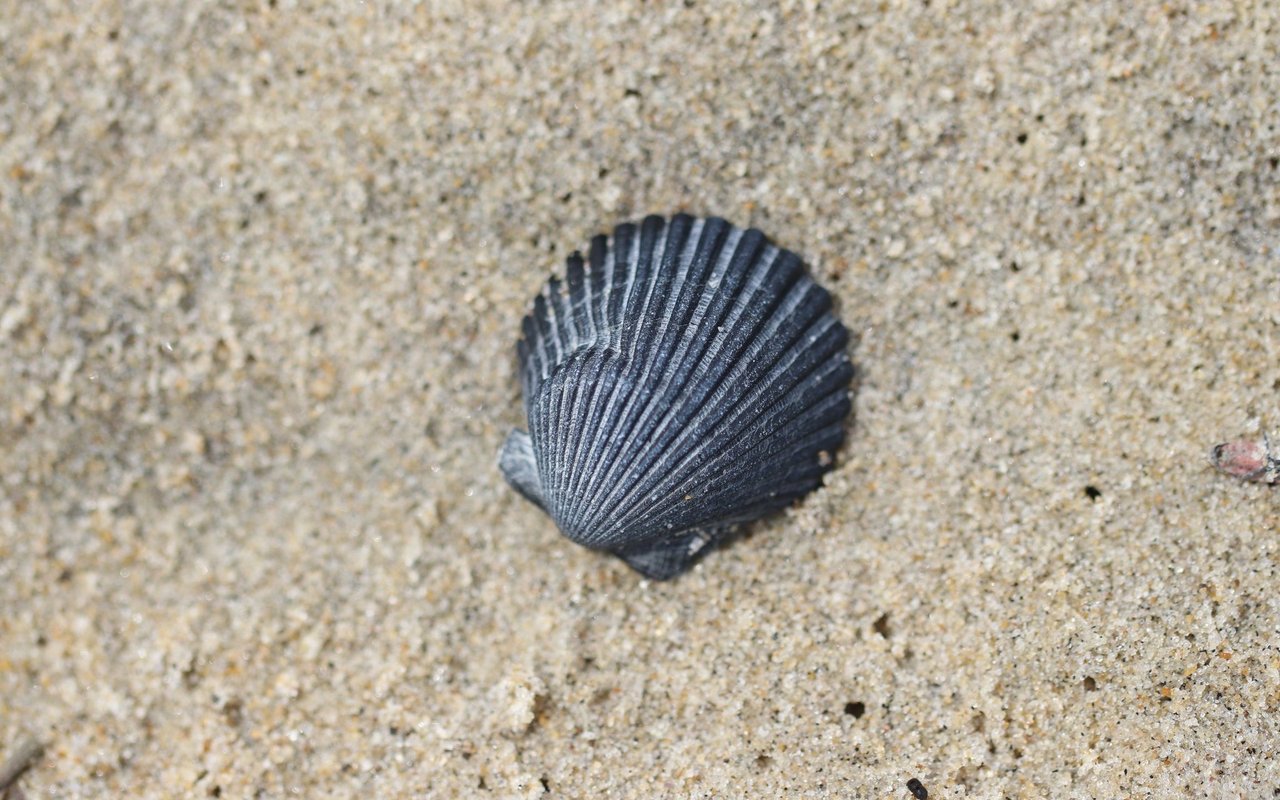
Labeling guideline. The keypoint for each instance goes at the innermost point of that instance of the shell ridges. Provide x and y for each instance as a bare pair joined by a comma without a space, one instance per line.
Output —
687,376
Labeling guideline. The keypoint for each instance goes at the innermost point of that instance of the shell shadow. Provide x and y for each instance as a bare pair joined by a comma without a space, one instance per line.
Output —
746,531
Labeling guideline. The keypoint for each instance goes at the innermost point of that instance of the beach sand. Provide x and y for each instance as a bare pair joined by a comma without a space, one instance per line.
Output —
264,266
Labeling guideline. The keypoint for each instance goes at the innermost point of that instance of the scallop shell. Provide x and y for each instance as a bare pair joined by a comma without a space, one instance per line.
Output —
686,378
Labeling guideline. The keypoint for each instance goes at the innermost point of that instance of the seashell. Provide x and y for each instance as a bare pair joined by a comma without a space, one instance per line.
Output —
686,378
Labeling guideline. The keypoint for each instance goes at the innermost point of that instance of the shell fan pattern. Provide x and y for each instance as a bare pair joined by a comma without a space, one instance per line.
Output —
686,378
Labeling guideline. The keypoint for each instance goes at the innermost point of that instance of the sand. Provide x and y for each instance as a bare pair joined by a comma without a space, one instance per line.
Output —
262,276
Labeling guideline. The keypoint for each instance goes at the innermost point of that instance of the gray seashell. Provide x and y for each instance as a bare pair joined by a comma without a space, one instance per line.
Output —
689,377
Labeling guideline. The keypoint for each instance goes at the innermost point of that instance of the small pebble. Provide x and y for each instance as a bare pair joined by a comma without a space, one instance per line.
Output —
1248,460
917,789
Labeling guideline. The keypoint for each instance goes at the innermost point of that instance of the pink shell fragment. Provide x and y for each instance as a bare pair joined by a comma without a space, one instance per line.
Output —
1250,461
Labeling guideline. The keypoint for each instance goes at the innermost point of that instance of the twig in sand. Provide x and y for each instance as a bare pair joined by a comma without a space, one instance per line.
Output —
28,751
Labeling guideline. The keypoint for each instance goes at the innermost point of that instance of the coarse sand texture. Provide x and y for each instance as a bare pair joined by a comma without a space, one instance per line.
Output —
263,267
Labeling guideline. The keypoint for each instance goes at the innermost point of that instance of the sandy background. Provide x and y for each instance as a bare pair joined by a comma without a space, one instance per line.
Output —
263,270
